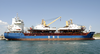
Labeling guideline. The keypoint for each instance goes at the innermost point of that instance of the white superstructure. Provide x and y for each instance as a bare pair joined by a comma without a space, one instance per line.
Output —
17,25
71,27
42,27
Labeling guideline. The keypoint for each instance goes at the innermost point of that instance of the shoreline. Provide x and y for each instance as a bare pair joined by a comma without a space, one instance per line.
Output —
2,38
96,38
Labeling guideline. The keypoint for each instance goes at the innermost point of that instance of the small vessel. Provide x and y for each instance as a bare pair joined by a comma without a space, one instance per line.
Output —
43,32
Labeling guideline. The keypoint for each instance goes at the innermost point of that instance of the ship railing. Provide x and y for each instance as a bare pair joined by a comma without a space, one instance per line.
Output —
55,34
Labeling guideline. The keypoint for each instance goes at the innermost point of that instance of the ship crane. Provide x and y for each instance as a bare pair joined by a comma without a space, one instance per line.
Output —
44,23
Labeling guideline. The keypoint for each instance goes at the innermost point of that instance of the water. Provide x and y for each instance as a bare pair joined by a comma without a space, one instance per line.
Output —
50,47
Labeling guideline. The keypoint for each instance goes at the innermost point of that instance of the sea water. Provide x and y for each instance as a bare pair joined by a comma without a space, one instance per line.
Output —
50,47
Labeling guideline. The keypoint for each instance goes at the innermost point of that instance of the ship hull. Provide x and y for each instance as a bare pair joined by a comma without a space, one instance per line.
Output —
55,39
21,36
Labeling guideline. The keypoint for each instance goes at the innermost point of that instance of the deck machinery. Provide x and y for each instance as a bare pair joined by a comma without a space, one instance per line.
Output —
43,28
71,28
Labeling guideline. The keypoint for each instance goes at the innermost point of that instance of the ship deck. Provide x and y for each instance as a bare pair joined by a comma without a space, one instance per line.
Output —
55,34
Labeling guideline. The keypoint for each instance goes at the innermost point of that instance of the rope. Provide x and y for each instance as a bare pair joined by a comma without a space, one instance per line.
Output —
50,19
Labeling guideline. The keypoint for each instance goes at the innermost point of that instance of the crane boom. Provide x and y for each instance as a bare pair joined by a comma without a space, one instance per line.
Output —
53,21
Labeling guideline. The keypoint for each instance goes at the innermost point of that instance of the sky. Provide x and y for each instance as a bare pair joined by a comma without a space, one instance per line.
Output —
82,12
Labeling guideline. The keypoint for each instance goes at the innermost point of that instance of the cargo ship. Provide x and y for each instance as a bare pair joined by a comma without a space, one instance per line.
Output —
44,32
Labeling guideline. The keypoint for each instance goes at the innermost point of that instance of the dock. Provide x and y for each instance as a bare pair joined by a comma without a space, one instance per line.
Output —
2,38
96,38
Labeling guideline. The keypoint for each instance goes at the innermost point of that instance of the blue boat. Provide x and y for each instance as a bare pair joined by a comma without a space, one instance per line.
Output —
21,36
44,32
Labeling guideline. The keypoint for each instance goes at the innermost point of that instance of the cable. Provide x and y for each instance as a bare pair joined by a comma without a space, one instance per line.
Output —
50,19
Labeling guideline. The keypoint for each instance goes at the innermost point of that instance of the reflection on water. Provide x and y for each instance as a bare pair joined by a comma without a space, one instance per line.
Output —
50,47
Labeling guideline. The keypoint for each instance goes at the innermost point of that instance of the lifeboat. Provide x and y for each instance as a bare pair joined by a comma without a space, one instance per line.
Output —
18,29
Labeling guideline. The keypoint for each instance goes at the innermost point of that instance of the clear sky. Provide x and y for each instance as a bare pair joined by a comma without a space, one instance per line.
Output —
83,12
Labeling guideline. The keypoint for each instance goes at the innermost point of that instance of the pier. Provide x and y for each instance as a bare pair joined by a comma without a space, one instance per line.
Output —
96,38
2,37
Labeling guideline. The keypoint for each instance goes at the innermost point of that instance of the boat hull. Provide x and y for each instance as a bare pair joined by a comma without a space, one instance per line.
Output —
21,36
55,39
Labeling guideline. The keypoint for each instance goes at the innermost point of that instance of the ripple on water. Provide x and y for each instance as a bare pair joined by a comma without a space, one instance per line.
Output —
50,47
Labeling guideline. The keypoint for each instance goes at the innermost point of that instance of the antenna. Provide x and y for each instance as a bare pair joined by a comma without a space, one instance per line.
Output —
17,16
90,28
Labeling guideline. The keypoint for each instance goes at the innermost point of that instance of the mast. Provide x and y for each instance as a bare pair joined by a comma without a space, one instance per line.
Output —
17,16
